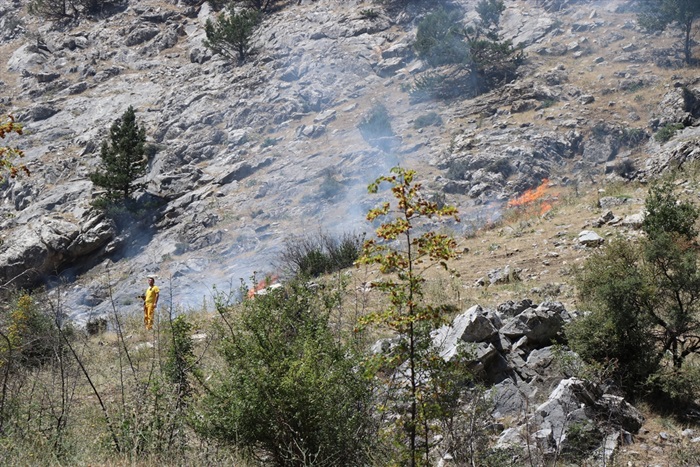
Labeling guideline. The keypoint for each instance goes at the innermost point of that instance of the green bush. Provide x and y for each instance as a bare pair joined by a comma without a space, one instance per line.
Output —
680,385
267,142
180,365
291,391
645,297
330,188
667,215
625,168
33,334
314,255
490,13
615,330
369,13
262,6
633,137
59,9
667,132
483,61
457,168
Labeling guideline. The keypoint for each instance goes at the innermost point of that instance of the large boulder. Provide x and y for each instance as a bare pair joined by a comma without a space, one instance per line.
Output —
471,326
39,249
571,409
539,326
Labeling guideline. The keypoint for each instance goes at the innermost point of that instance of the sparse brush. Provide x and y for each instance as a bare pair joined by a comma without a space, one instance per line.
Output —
667,132
376,124
429,119
314,255
369,13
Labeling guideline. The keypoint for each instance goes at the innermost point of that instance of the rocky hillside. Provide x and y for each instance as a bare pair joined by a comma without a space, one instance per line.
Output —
249,155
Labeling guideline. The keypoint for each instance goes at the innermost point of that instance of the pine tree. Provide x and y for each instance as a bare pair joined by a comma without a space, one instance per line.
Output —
124,160
230,35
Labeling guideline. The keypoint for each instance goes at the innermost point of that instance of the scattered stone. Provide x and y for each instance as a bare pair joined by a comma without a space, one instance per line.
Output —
505,275
590,239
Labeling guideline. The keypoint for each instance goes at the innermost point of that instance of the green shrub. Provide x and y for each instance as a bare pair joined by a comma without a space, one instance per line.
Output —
615,330
680,385
633,137
433,84
267,142
625,168
331,187
501,166
582,438
490,13
667,215
290,391
33,334
667,132
369,13
484,61
547,103
314,255
457,168
645,297
60,9
180,365
262,6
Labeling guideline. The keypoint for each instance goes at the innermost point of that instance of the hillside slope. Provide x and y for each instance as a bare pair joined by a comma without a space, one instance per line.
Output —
250,155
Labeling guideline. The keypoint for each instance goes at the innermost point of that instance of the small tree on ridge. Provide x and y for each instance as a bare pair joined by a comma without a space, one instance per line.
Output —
230,34
657,15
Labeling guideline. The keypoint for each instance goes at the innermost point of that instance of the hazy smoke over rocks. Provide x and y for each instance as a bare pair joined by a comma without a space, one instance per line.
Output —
247,156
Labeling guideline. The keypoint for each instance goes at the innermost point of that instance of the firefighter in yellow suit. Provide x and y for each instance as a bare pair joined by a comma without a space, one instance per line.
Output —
150,301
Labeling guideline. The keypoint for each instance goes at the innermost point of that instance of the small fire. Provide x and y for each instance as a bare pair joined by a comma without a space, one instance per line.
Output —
533,200
530,196
262,285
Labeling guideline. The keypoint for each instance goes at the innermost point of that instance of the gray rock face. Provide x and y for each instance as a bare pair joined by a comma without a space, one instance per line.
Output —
506,275
539,326
521,366
471,326
574,406
675,154
38,250
241,150
680,105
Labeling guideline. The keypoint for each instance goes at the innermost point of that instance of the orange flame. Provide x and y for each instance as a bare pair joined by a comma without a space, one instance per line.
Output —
545,208
263,284
530,196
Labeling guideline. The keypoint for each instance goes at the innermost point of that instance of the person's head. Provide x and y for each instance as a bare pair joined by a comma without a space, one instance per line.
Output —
151,281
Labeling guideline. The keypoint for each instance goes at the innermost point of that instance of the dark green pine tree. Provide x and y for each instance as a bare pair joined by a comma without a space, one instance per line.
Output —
230,35
123,161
